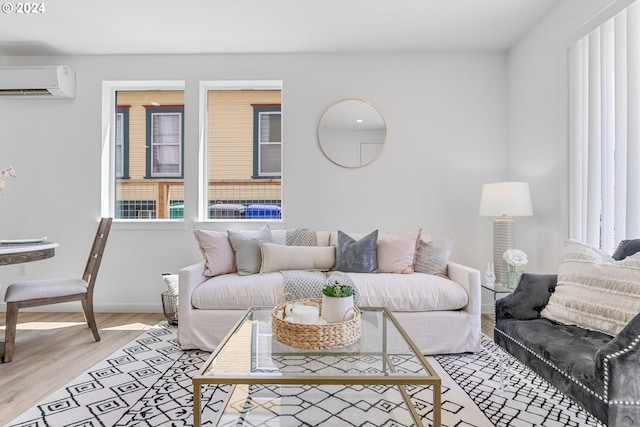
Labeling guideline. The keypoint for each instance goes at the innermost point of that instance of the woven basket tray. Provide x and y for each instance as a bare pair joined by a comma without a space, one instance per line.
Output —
315,337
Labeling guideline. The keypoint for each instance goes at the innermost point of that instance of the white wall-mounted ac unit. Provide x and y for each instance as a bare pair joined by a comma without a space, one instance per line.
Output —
55,81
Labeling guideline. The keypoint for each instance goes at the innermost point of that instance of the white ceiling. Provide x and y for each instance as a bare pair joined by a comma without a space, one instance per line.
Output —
81,27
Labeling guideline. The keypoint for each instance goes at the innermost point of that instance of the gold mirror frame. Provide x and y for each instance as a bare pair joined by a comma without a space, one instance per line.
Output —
352,133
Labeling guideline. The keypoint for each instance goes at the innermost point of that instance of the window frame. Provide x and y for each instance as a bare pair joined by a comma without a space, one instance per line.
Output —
152,110
107,162
195,157
203,148
258,111
124,112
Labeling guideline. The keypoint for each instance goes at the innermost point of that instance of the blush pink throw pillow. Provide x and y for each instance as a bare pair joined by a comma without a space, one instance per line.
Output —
217,252
397,252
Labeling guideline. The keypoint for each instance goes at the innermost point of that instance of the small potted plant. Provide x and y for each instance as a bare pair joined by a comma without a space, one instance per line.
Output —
337,302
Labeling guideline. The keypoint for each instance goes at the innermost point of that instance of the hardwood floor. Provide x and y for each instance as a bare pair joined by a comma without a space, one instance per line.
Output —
53,348
487,324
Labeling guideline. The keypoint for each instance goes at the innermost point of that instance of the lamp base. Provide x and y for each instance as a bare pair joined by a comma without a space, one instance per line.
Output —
504,237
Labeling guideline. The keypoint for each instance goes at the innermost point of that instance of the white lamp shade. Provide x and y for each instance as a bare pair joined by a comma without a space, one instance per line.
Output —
506,198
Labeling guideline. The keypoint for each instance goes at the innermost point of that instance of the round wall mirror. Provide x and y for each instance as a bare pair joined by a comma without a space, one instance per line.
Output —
352,133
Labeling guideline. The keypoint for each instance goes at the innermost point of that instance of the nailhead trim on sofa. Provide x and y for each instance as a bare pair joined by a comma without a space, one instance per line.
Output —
607,358
594,393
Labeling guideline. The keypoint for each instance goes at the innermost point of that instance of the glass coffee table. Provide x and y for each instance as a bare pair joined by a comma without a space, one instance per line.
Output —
275,384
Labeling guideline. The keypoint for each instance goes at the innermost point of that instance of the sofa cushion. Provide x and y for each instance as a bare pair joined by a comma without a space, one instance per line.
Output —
433,257
357,256
282,257
594,291
397,252
217,252
529,298
302,237
626,248
570,349
397,292
282,236
409,292
246,245
236,292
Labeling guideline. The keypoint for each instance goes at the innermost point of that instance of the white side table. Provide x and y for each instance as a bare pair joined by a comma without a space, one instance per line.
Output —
503,358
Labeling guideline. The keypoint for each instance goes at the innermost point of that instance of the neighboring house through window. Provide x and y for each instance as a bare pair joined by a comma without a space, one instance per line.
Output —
244,149
146,165
143,161
165,136
267,140
122,142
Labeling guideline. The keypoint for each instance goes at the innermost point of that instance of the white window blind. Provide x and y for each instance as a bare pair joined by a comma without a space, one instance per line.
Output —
605,132
166,143
270,142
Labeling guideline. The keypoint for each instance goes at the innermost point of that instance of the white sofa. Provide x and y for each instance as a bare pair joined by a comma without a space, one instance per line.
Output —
441,314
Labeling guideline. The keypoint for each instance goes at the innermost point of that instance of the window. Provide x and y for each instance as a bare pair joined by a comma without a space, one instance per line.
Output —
267,139
604,70
143,163
243,147
240,152
164,142
122,142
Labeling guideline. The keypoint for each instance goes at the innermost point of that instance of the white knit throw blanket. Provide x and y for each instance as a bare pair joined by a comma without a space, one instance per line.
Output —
304,284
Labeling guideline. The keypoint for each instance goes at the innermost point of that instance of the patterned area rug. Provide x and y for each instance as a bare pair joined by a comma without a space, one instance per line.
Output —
148,383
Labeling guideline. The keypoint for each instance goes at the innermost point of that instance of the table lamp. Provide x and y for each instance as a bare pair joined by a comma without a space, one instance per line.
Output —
504,200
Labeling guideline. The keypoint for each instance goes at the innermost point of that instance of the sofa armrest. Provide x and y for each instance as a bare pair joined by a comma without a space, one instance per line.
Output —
469,279
618,362
529,298
189,278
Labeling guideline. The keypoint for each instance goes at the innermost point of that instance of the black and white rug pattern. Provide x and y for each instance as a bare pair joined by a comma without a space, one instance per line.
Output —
521,399
148,383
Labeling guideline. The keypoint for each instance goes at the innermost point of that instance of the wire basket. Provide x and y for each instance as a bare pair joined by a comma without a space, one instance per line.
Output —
316,336
170,307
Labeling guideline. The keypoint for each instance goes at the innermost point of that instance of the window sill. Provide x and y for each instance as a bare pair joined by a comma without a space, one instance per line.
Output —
151,224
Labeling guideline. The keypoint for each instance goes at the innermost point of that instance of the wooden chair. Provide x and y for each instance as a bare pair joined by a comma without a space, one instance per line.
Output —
34,293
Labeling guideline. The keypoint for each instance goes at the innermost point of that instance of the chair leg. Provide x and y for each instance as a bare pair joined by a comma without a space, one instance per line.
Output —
87,306
10,331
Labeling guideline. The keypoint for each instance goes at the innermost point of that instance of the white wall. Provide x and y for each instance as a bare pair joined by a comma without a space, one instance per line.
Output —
538,128
447,125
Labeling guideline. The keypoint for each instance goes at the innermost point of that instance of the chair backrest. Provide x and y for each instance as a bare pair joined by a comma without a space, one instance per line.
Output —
97,249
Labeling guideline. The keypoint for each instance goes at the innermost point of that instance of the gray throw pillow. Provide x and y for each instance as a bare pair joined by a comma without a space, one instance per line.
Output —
246,245
357,256
433,257
626,248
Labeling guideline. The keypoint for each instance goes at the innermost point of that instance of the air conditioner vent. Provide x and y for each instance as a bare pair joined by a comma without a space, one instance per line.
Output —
55,81
24,92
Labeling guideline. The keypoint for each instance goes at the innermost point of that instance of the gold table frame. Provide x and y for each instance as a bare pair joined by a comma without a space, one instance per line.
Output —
212,373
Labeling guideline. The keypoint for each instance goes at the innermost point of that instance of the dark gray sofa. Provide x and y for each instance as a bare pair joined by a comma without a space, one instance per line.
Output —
599,372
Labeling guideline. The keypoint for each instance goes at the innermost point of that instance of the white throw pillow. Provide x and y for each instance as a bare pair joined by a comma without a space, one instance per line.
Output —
594,291
282,257
172,282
